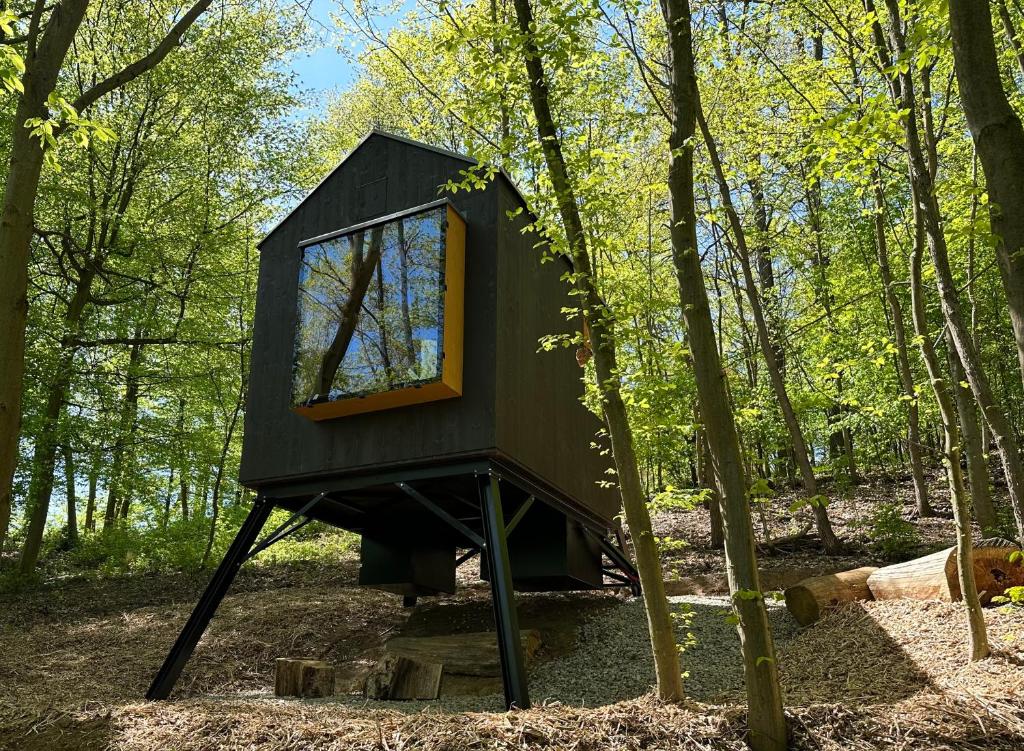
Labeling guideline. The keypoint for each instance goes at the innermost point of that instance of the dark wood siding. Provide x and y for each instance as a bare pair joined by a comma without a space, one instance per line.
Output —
381,177
517,403
541,422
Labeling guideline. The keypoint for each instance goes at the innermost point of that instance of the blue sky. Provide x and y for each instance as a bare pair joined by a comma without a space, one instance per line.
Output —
325,70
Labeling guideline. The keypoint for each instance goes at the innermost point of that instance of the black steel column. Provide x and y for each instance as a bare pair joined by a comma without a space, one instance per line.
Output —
510,649
190,635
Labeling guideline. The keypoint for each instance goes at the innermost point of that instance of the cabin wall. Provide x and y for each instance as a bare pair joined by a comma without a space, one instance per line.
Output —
382,176
541,422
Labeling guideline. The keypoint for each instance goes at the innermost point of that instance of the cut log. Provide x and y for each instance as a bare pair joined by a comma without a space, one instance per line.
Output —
934,577
308,679
808,599
402,678
416,680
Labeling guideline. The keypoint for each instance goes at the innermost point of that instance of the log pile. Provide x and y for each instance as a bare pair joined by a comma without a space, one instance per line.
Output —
934,577
306,679
809,599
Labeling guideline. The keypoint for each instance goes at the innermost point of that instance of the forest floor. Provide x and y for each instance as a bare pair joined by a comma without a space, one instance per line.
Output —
76,656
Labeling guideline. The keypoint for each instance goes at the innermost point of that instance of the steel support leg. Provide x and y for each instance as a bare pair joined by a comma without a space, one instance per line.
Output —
190,635
513,669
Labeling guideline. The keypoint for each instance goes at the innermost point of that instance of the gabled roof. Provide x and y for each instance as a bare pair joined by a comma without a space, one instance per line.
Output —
401,139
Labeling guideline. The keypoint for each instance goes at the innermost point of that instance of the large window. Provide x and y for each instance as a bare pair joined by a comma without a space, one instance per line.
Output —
380,314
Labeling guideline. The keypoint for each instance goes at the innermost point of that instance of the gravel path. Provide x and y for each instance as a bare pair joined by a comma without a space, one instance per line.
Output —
612,660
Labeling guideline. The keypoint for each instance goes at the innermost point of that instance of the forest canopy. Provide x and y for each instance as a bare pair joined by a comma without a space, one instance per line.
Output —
795,231
142,269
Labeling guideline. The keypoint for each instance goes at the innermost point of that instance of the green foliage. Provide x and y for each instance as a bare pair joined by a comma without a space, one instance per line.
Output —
214,144
181,544
66,119
1011,596
678,499
12,66
671,544
890,534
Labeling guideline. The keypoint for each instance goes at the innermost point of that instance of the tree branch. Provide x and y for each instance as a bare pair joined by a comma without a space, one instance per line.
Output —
130,72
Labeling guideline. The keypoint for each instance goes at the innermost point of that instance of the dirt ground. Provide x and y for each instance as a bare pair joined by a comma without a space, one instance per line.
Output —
76,658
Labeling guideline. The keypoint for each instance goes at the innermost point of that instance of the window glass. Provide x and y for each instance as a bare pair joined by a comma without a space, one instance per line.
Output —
371,310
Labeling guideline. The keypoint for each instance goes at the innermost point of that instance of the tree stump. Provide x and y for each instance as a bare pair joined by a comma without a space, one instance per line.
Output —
808,599
307,679
934,577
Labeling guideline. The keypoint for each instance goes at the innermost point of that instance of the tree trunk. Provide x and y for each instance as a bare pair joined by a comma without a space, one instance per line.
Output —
70,494
765,715
999,140
168,497
44,456
906,375
219,477
90,504
598,317
44,462
25,162
1011,34
950,448
118,499
362,274
977,466
706,479
182,458
816,501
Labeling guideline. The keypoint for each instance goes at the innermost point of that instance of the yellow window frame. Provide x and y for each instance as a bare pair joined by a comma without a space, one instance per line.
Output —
450,384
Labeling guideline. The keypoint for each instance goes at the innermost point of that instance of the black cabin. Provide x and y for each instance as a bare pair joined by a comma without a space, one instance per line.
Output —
396,390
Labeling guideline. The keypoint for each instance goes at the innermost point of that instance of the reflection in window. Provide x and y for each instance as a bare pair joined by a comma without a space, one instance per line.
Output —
371,310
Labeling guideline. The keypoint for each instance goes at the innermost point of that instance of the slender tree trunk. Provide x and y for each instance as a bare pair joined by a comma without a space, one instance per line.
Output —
817,501
659,620
90,504
70,494
168,496
382,326
977,467
44,462
407,336
182,459
219,476
906,375
950,449
1011,33
118,494
204,491
765,715
183,495
999,140
772,308
706,479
